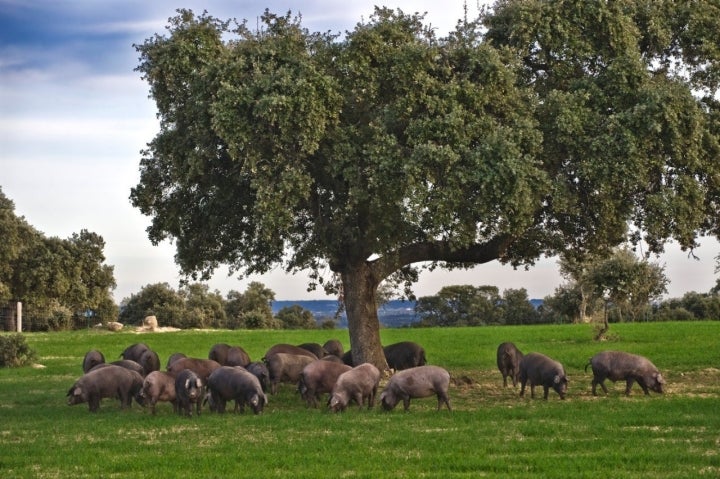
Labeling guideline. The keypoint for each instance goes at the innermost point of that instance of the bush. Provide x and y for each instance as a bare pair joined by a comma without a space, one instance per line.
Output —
14,351
52,317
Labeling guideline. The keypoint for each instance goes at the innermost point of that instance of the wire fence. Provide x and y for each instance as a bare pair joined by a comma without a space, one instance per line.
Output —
32,321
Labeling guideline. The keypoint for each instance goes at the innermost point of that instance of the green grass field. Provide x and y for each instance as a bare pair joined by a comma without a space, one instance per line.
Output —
490,433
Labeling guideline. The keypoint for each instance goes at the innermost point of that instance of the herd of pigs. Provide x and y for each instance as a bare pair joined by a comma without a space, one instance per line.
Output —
229,375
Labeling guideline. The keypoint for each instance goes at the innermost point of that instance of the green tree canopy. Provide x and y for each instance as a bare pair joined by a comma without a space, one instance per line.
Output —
48,273
296,317
621,280
158,299
251,309
539,126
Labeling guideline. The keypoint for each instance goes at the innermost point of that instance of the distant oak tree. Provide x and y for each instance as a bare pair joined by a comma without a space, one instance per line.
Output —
539,126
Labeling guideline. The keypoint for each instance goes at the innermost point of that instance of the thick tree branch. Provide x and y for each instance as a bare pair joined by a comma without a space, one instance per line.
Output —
477,253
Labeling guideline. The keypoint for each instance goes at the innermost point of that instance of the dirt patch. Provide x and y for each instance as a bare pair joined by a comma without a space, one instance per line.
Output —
159,329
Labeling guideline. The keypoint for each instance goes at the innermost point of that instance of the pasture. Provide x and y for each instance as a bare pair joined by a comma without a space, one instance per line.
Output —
490,433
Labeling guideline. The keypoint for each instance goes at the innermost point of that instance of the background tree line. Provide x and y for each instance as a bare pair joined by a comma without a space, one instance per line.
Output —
58,280
619,287
195,306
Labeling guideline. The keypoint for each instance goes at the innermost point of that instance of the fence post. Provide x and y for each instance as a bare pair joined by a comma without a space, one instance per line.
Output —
18,317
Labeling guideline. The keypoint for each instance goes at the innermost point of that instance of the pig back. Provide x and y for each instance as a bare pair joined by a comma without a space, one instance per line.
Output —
420,381
540,369
617,365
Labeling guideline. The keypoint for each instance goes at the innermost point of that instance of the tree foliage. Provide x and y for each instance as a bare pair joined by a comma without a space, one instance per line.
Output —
58,280
251,309
296,317
159,300
466,305
620,285
540,126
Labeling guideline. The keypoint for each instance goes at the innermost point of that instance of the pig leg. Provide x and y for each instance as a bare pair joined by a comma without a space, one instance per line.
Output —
546,390
522,387
601,382
643,386
630,382
406,402
371,399
359,399
442,398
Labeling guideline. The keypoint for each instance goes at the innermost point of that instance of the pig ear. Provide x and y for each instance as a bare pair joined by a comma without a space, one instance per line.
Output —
198,382
77,392
187,384
659,378
556,379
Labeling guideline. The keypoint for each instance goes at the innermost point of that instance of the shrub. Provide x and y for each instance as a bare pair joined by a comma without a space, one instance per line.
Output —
14,351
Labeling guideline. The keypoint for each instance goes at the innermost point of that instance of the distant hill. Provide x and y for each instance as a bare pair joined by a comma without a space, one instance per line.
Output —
394,314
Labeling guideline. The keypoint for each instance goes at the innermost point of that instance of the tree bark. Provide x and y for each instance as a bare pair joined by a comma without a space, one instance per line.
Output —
360,287
600,335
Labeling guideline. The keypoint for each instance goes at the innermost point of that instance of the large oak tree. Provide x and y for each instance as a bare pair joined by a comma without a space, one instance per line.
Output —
540,126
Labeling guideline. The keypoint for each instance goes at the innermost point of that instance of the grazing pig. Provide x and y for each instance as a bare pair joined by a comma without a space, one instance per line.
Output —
123,363
618,365
318,378
201,367
508,362
314,348
347,358
540,370
92,358
286,368
333,346
333,359
188,391
404,355
357,384
227,355
150,361
418,382
106,382
287,349
174,357
260,371
228,383
237,357
158,386
134,352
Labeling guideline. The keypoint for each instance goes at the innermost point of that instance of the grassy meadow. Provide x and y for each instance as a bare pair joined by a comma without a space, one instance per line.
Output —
490,433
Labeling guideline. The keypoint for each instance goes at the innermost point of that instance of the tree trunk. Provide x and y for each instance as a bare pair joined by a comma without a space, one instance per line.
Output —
360,287
600,336
583,306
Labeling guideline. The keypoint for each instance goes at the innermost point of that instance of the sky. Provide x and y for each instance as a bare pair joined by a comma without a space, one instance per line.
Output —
74,116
